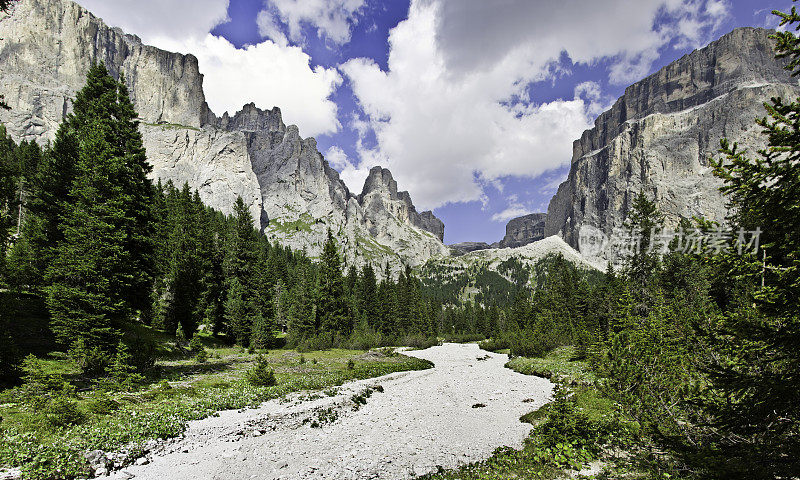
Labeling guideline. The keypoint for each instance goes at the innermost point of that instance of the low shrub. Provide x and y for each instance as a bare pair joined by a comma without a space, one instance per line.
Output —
261,375
494,344
102,404
143,355
196,345
201,356
121,373
464,337
38,383
92,361
418,341
61,411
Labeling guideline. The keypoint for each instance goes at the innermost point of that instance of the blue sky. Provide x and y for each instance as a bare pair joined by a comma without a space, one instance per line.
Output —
473,105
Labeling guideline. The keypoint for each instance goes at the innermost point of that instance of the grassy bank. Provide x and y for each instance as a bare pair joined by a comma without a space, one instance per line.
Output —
46,433
578,435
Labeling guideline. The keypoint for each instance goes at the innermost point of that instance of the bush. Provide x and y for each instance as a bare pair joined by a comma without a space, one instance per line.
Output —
494,344
143,355
464,337
196,345
102,404
61,411
197,348
38,382
92,361
261,375
418,341
120,373
351,364
526,345
201,356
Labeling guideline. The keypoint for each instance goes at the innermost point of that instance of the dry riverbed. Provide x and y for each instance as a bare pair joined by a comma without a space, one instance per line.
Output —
391,427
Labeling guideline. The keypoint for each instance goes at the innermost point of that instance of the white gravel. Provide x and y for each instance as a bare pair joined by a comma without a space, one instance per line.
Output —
423,419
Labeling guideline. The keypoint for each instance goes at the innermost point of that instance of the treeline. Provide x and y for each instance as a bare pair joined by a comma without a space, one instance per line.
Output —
86,231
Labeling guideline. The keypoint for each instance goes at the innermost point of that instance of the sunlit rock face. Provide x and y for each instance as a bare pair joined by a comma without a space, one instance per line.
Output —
659,136
46,48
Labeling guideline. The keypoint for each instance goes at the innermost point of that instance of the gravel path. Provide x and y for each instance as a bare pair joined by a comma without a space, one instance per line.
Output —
422,419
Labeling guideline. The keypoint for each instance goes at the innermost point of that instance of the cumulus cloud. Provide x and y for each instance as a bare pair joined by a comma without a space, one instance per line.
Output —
513,211
333,19
475,35
269,73
351,175
156,20
452,115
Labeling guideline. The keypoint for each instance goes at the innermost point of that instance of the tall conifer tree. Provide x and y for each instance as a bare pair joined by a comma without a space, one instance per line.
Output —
101,269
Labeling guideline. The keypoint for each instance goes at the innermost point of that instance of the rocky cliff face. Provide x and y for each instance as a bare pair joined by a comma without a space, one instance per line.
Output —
46,47
523,230
659,135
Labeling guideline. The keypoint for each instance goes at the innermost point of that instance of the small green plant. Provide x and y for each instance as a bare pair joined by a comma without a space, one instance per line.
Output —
38,382
61,411
302,359
102,404
143,354
261,375
314,361
121,373
196,345
92,361
351,364
201,356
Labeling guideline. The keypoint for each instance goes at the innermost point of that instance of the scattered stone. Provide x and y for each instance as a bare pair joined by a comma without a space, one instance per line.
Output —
10,473
479,405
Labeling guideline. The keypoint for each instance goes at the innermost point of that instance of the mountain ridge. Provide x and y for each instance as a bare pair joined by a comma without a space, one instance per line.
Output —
658,136
290,189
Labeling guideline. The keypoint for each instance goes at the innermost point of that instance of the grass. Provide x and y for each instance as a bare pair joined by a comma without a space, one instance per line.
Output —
558,365
302,224
184,390
172,126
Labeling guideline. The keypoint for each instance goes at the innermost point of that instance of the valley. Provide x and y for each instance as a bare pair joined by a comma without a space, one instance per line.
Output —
186,294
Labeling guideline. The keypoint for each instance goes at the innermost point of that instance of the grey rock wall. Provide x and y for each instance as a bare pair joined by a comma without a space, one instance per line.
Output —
46,48
659,136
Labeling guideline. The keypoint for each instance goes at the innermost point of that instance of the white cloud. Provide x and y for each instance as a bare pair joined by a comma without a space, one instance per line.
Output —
512,211
451,113
269,27
333,19
153,20
351,175
269,74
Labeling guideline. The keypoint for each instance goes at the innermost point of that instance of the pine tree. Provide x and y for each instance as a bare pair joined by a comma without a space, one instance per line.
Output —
369,296
8,185
302,312
757,364
241,307
332,309
100,270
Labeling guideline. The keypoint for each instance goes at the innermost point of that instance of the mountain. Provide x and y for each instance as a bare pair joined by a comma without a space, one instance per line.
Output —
490,275
46,48
658,137
520,231
523,230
